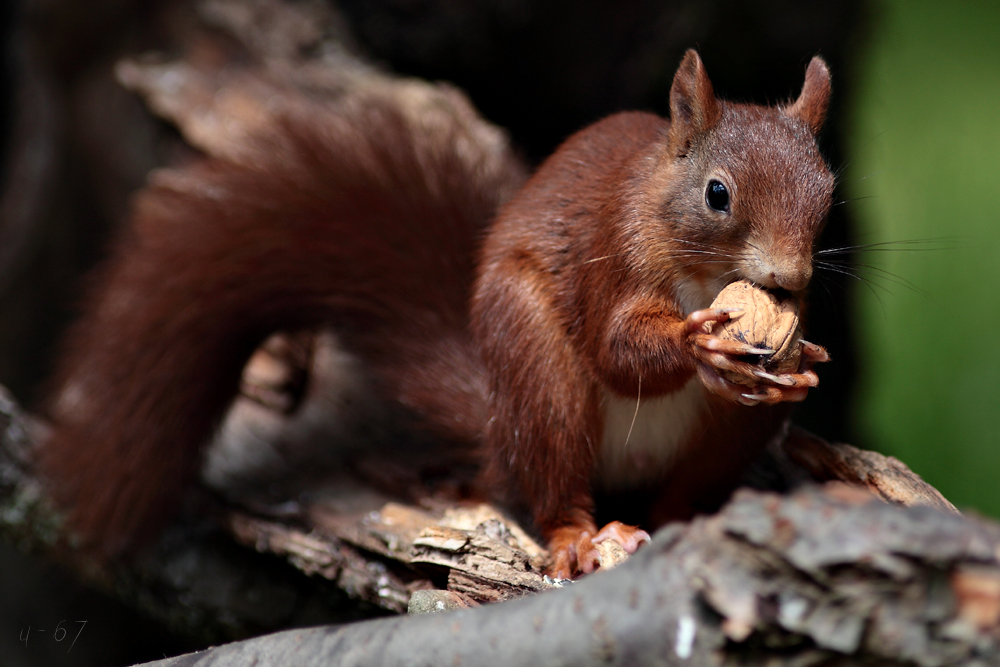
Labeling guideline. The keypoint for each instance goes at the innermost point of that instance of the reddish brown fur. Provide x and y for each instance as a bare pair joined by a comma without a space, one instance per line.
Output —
358,219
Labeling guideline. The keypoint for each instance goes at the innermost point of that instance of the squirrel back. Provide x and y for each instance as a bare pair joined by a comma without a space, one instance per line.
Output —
360,217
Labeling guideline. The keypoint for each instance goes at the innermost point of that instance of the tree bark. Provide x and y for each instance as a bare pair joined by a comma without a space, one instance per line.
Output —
827,576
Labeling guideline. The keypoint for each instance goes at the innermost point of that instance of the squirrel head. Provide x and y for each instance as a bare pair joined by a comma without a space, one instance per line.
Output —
746,182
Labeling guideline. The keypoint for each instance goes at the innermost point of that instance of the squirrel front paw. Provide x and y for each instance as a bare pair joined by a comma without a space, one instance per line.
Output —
720,359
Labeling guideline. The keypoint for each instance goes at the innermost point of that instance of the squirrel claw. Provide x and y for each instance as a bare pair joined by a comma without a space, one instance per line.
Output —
696,321
813,353
629,537
720,386
774,395
732,347
783,380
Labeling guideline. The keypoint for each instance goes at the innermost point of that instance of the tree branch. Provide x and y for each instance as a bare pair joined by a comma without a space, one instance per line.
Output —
824,576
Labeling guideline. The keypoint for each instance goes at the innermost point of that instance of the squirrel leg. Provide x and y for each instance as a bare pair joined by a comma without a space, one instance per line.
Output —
544,410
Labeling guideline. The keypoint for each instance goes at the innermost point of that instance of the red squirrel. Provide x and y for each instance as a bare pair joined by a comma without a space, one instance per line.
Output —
559,326
593,288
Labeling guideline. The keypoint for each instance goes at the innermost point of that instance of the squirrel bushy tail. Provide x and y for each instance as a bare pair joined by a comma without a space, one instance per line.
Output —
365,216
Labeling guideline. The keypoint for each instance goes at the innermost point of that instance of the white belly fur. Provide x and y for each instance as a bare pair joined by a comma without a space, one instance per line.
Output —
661,428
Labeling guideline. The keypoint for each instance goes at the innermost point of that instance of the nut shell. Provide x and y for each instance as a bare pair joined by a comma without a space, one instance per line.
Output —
767,322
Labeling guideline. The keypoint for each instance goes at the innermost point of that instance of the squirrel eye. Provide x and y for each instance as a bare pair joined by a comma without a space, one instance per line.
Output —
717,196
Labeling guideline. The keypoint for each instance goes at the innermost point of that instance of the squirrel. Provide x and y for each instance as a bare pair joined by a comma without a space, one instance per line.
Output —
556,322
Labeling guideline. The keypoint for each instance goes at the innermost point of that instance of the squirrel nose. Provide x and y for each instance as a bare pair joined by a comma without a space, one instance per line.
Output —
792,278
790,273
778,265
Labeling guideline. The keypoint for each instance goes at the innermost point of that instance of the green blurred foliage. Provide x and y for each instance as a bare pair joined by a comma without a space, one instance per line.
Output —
925,138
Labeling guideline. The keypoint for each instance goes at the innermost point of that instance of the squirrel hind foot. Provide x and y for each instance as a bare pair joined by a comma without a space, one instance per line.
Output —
577,550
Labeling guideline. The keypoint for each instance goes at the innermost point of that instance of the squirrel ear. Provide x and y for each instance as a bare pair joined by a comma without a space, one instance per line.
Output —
815,96
693,107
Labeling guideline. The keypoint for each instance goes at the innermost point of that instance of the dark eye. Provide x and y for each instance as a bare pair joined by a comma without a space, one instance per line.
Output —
717,196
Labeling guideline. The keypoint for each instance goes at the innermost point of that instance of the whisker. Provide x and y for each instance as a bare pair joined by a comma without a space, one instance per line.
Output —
824,282
889,246
690,242
598,259
709,261
869,284
692,253
843,167
698,256
880,274
638,399
845,266
885,275
865,177
853,199
672,254
844,271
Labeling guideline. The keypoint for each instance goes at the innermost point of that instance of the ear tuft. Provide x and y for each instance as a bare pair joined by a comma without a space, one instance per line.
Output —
815,96
693,107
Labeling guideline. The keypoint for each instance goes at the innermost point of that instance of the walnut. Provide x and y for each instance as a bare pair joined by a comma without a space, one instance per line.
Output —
767,322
